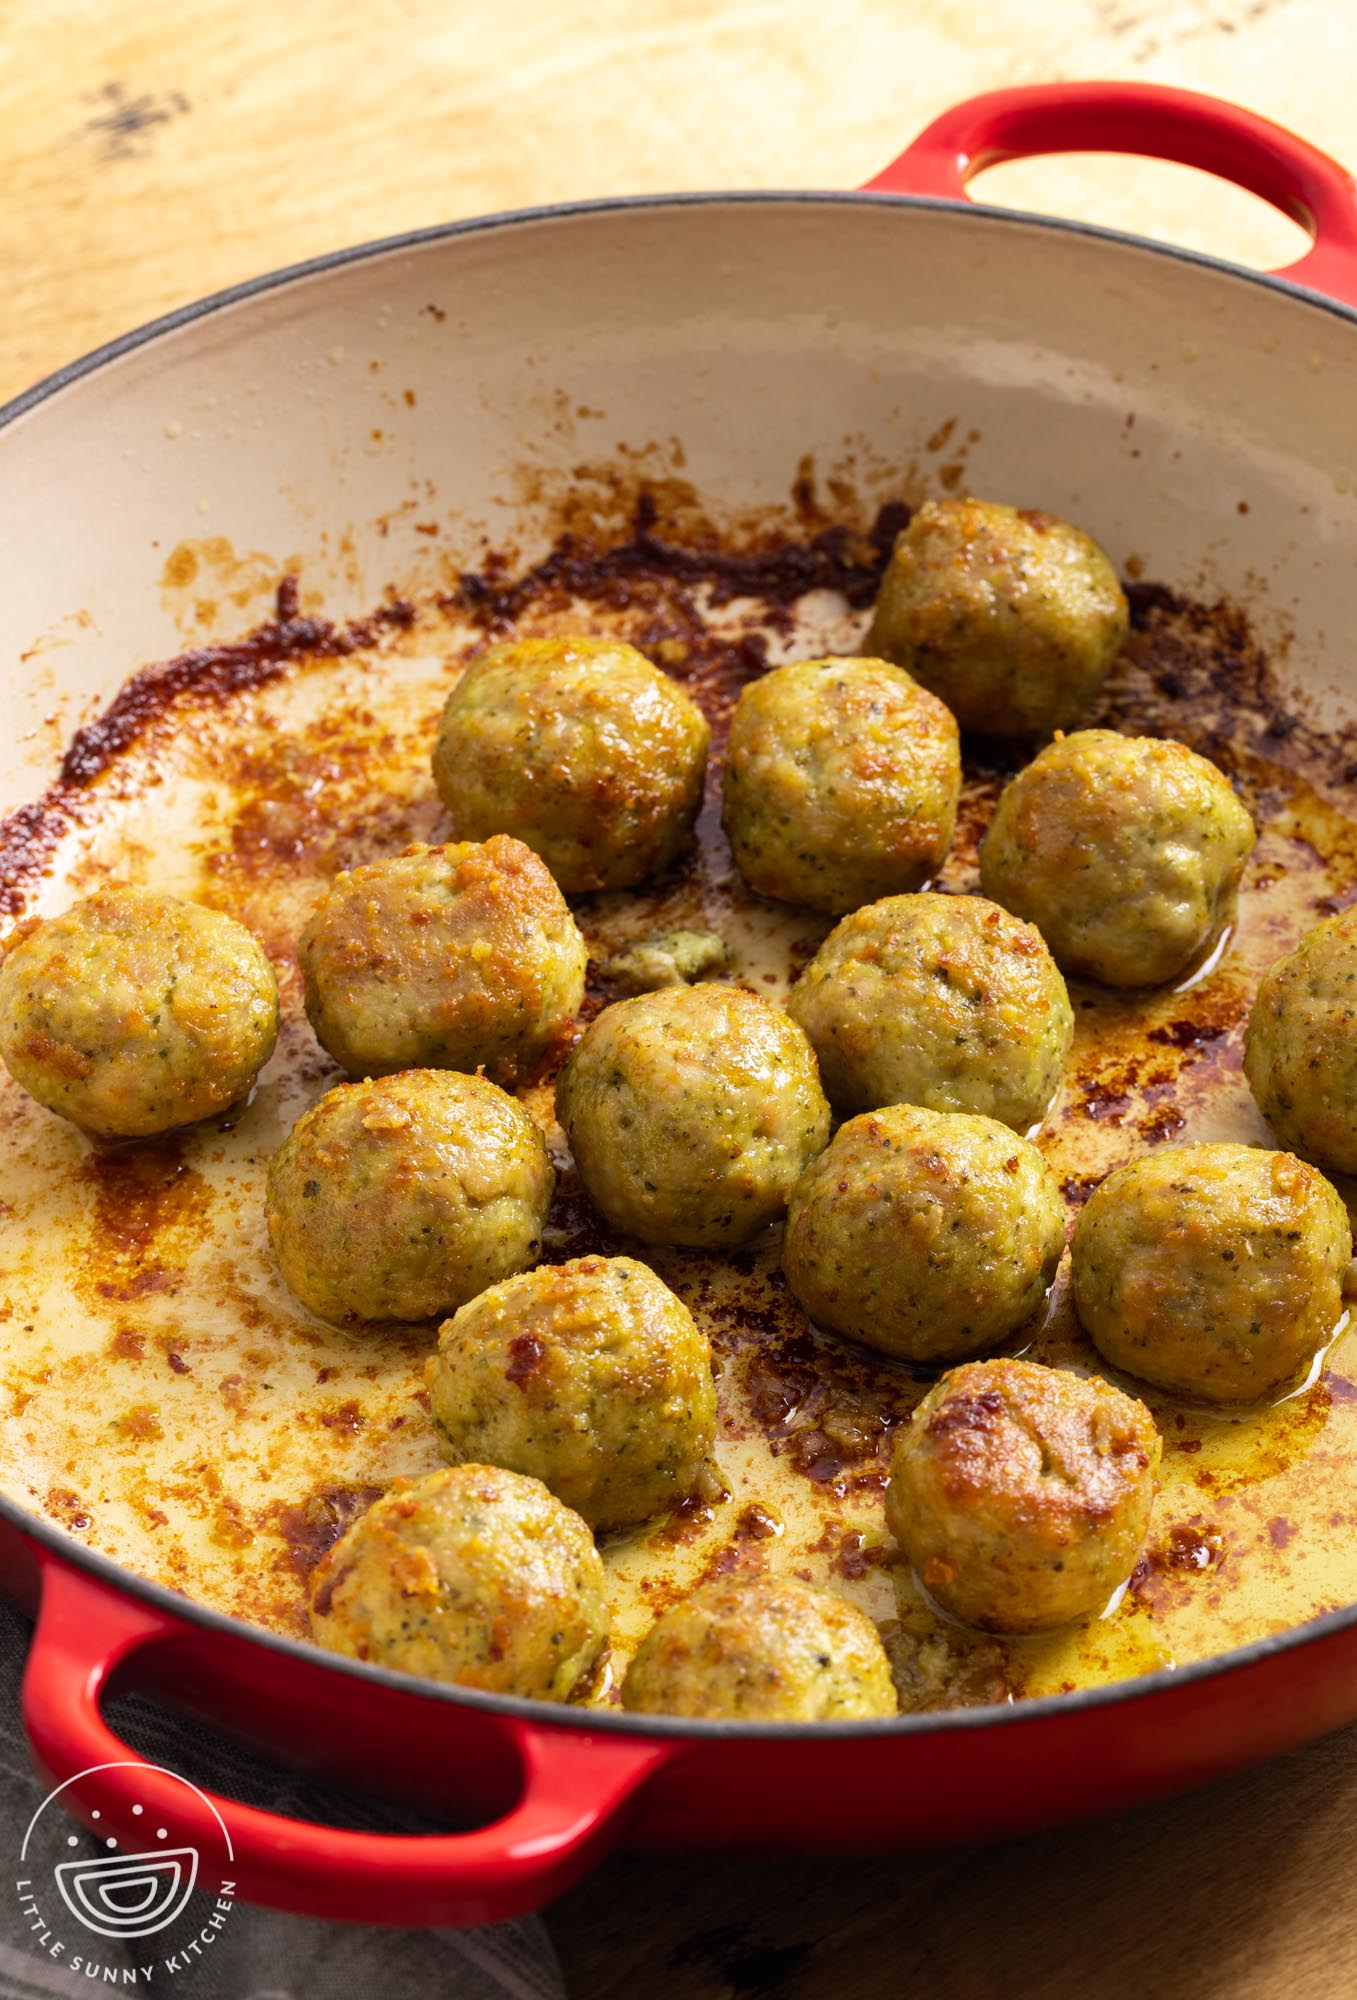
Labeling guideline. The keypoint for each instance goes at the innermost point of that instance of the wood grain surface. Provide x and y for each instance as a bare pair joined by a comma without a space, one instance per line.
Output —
153,152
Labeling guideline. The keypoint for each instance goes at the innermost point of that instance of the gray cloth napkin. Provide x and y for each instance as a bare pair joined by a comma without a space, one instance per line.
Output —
259,1954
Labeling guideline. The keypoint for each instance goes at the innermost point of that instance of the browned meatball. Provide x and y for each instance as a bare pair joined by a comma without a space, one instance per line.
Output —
926,1234
762,1649
690,1112
589,1375
462,957
1124,851
133,1014
1213,1270
401,1197
1012,616
1021,1494
944,1001
581,748
1300,1054
842,779
472,1575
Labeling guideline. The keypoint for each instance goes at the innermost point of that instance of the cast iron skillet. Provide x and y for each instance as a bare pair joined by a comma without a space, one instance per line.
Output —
561,1786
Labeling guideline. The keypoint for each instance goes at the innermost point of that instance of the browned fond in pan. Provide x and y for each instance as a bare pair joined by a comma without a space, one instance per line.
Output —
167,1402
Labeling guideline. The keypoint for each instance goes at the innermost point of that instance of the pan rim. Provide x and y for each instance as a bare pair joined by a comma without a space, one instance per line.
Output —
591,1721
381,246
1031,1712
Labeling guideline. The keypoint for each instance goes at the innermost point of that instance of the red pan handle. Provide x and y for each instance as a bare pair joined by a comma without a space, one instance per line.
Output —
1162,124
575,1787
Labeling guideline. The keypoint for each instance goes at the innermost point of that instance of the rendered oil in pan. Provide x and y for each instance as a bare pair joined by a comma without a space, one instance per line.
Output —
168,1403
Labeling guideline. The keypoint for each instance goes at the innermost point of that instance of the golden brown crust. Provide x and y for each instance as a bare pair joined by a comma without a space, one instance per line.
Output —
1124,851
762,1649
929,1235
1212,1270
1013,617
842,780
458,957
579,747
1300,1052
590,1375
402,1197
472,1575
942,1001
133,1013
690,1112
1021,1494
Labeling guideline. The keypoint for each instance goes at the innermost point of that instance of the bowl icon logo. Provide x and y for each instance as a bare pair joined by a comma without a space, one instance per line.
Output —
140,1884
128,1895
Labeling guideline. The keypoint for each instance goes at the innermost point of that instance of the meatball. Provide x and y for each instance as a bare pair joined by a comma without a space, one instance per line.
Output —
590,1375
404,1196
926,1234
1214,1270
1013,617
471,1575
944,1001
579,747
1300,1053
133,1013
762,1649
690,1112
1124,851
842,780
460,957
1022,1494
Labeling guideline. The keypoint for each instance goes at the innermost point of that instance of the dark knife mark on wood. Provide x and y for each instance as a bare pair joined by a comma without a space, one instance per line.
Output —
124,125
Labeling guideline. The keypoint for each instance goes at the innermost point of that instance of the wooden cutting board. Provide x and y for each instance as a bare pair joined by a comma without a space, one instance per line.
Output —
151,153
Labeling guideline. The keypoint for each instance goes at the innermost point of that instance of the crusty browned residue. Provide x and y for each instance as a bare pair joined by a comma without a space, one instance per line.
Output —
141,1421
213,675
744,1553
68,1508
665,586
148,1205
206,676
348,781
526,1355
1175,1556
631,573
684,1523
346,1417
310,1527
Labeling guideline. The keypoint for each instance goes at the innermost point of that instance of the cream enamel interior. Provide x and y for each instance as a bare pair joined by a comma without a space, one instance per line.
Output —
326,427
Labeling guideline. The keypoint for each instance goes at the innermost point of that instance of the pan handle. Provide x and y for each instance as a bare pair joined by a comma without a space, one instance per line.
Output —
1162,124
575,1788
